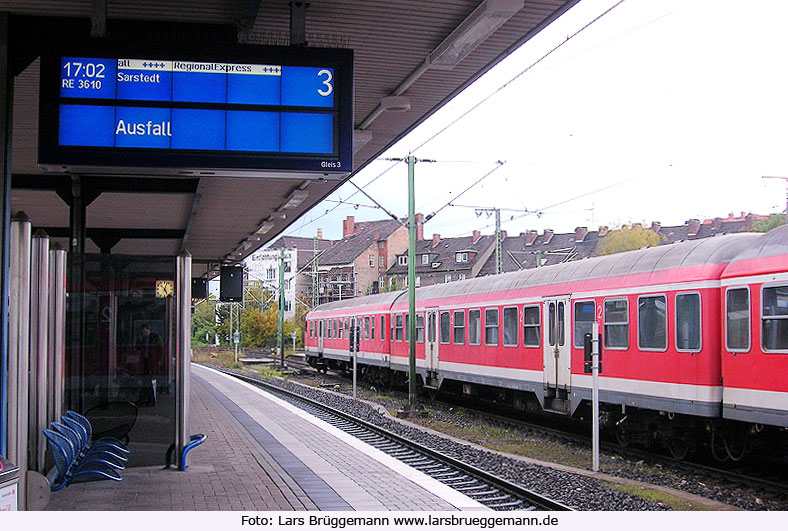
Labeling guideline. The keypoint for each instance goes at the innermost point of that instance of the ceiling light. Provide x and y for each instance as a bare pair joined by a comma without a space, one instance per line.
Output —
295,199
265,227
472,31
395,103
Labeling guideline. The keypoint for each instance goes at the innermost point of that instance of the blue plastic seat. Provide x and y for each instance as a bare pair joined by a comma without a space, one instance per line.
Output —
69,469
84,453
85,423
84,445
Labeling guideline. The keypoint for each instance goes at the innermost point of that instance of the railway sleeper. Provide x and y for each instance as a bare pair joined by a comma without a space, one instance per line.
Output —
460,482
481,494
435,467
511,505
449,475
493,499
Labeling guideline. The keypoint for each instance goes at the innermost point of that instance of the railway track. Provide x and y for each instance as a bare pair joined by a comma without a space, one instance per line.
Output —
489,490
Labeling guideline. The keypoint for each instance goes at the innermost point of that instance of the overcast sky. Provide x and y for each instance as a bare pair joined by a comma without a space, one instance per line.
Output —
662,110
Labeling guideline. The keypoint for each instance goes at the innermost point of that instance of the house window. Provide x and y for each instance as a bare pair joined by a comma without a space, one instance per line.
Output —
270,273
382,327
688,322
419,328
287,267
617,324
398,328
402,260
447,278
459,327
445,324
418,281
474,327
461,276
366,327
382,260
406,281
737,320
425,259
288,305
372,260
531,323
653,322
461,257
584,321
510,336
491,326
774,323
381,245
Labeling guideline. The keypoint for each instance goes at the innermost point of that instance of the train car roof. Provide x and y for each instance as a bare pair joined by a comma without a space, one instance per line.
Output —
764,255
715,252
702,252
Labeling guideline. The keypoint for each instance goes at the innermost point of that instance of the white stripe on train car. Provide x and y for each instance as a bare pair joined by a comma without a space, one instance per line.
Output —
755,279
755,398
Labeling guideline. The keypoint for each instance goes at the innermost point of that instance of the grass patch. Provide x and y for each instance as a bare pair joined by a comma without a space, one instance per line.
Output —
655,496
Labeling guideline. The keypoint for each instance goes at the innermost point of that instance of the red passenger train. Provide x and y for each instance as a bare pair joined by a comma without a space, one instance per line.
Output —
695,340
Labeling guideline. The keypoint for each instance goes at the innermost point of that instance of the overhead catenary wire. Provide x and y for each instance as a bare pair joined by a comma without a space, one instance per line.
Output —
473,108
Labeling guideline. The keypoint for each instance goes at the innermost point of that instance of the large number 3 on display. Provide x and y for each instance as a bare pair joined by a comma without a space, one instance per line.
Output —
327,82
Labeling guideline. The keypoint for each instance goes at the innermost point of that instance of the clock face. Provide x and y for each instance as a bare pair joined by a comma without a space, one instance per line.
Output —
165,288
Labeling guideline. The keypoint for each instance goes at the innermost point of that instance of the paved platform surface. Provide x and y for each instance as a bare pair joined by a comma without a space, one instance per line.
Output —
263,454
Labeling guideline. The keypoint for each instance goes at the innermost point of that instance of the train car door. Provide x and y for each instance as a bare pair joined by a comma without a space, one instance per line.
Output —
431,345
321,332
558,343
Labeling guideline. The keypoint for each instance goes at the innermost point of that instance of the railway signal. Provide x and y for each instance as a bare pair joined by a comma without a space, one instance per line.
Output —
592,358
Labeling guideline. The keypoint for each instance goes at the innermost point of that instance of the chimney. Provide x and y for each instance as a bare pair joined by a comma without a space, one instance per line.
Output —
693,226
655,226
580,234
476,235
319,234
530,237
419,226
603,229
716,223
548,235
377,235
749,223
348,226
436,238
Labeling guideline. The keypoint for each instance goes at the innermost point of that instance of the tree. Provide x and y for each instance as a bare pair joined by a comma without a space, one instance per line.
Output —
774,221
629,239
204,322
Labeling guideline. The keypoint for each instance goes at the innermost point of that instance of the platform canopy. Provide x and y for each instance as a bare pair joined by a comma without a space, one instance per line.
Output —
410,58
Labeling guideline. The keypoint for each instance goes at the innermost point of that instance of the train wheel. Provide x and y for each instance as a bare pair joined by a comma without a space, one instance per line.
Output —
680,448
622,437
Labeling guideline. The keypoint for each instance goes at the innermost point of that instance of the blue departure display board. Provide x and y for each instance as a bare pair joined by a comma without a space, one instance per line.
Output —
251,108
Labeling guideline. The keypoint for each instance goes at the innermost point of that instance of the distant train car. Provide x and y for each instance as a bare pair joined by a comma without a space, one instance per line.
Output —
692,334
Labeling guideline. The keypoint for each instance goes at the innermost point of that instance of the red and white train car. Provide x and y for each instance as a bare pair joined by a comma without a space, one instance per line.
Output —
692,331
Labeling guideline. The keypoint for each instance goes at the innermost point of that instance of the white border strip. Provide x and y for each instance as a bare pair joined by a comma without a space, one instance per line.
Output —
457,499
755,279
756,398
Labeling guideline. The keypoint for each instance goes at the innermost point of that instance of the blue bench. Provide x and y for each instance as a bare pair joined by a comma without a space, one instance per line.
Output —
77,458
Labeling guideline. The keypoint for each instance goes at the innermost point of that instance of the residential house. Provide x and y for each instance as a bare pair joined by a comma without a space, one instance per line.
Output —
356,264
441,260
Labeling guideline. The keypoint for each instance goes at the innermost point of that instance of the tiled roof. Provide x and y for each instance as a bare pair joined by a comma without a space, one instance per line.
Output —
706,230
305,247
365,234
444,254
516,255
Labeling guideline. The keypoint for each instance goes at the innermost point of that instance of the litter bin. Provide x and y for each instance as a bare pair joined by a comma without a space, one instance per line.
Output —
9,485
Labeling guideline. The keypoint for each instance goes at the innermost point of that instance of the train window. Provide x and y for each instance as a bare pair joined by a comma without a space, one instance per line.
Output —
688,322
737,320
341,328
322,328
561,323
407,327
382,327
511,338
474,327
459,327
774,324
653,322
336,322
398,329
551,324
584,321
445,328
366,327
431,328
531,324
419,328
491,325
616,324
372,328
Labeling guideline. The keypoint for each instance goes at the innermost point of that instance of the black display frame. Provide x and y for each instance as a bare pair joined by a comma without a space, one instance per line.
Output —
55,157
